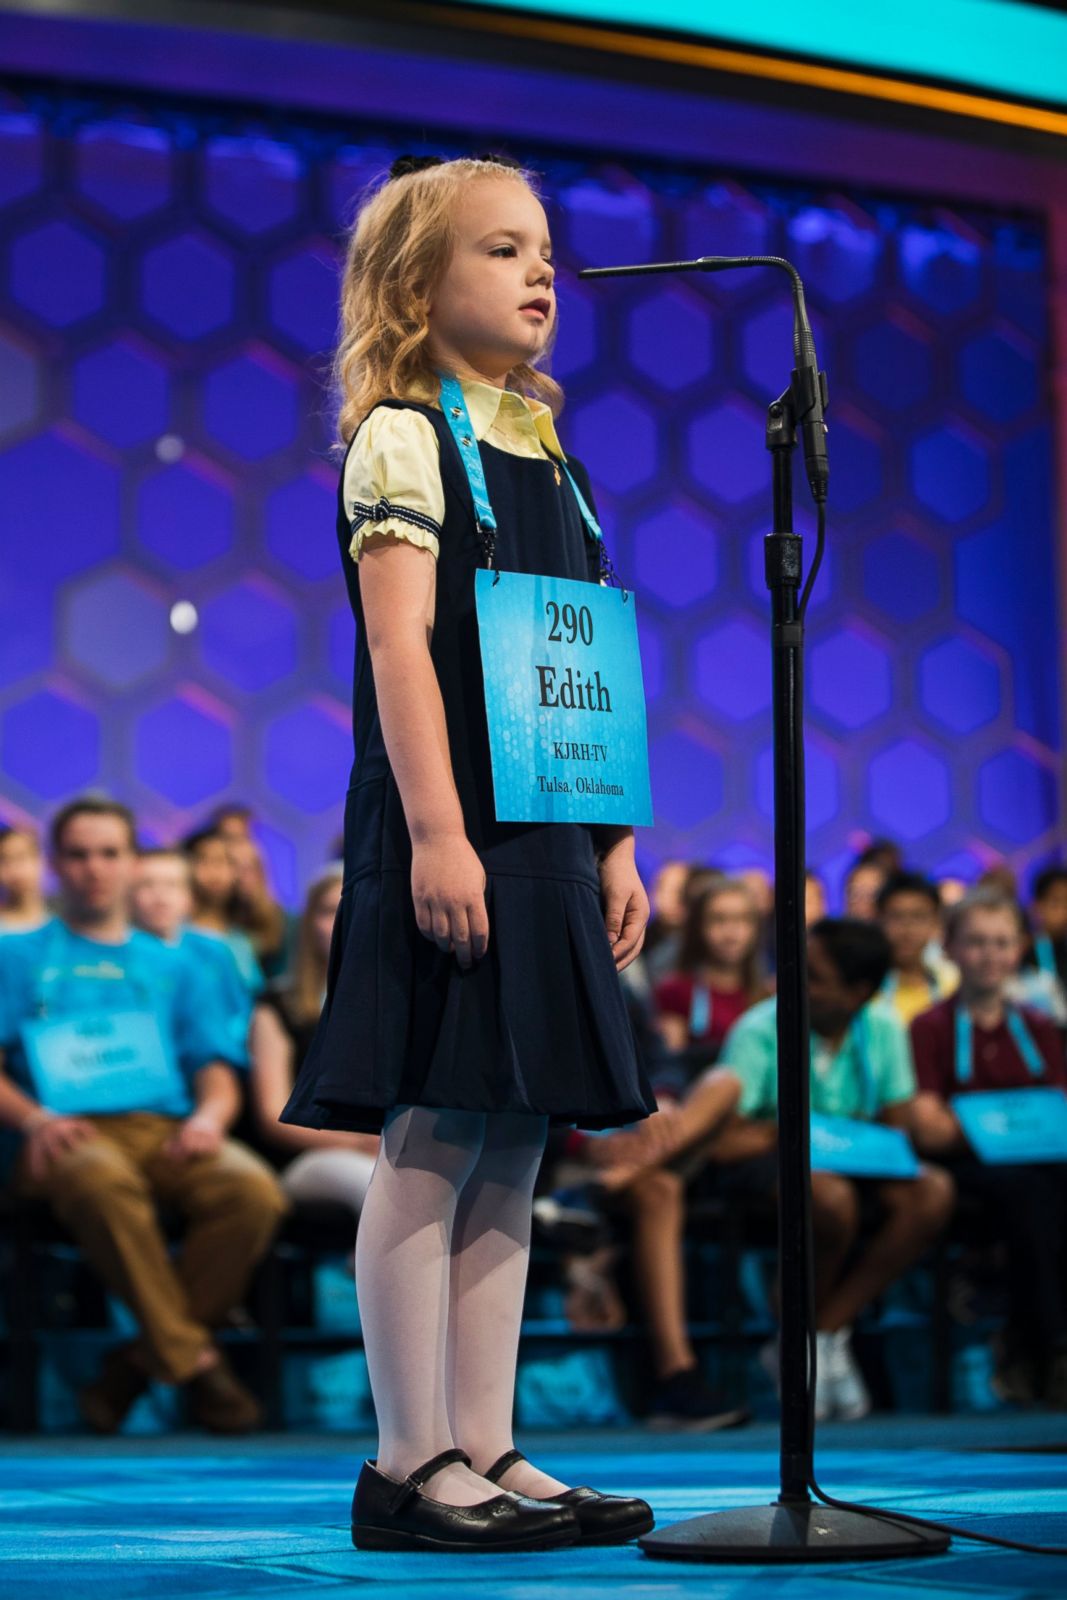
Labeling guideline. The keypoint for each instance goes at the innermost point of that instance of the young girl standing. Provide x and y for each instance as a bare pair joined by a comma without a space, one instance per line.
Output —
473,994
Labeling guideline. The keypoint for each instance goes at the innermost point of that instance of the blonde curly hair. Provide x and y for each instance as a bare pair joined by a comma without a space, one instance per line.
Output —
397,253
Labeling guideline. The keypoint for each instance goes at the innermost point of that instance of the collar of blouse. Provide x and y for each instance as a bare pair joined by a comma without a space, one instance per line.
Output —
515,414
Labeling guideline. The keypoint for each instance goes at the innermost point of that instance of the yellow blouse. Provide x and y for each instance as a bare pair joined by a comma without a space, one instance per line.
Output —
395,461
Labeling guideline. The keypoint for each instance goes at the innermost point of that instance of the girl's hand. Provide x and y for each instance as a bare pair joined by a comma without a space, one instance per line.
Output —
626,907
448,889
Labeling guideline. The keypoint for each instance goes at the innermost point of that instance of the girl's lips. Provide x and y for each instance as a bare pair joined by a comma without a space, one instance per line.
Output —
538,311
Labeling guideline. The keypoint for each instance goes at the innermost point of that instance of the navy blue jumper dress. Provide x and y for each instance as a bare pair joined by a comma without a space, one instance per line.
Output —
540,1023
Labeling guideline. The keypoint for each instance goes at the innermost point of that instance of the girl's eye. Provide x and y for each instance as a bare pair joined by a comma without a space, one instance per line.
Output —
497,249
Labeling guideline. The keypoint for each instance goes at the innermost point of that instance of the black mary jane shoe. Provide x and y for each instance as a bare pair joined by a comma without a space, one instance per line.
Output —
388,1514
602,1518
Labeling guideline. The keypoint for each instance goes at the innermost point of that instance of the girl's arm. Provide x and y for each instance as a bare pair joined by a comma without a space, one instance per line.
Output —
270,1083
398,586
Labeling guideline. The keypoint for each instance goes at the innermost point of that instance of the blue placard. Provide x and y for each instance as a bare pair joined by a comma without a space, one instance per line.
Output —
1014,1126
564,698
860,1149
104,1062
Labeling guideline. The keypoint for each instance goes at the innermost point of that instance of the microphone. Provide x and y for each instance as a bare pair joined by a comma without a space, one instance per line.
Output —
809,384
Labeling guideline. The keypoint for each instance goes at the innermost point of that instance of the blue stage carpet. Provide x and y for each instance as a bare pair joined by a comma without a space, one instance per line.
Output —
192,1516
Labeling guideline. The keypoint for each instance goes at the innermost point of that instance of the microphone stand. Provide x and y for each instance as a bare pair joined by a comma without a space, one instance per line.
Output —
794,1528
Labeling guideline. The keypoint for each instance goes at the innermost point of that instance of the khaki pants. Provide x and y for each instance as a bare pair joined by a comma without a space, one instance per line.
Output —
105,1190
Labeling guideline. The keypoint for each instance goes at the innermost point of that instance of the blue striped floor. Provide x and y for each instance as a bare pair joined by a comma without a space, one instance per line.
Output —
190,1516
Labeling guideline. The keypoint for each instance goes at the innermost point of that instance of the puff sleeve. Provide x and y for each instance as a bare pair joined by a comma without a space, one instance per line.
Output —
393,481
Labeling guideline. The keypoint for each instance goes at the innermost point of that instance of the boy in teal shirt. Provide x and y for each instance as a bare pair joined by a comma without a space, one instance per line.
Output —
119,1086
161,903
861,1068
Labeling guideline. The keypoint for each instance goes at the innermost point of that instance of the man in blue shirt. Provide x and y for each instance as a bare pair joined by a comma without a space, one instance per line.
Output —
119,1084
862,1070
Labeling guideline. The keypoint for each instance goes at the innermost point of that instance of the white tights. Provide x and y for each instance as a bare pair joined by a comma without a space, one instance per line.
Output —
442,1255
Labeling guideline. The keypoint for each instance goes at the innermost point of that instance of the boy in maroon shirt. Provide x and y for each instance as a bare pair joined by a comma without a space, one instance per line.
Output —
1026,1203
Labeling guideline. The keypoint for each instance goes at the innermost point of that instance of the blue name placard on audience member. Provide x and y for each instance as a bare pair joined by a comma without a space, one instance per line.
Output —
565,699
1008,1126
104,1062
860,1149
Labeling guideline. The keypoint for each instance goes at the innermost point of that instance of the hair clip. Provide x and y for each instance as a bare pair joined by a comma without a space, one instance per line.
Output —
496,160
405,164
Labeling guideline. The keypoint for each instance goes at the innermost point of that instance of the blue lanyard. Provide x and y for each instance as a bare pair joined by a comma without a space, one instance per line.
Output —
1046,955
454,406
862,1039
859,1037
701,1010
1023,1040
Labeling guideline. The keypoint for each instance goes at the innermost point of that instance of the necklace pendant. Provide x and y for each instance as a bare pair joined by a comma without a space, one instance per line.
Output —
555,469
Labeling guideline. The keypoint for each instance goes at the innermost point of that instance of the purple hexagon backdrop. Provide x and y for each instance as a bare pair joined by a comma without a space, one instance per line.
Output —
167,307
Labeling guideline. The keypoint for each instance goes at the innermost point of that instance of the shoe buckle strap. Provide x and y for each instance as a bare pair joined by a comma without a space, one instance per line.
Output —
416,1478
501,1465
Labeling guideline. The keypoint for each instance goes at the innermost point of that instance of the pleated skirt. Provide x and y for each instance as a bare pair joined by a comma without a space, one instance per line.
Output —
538,1025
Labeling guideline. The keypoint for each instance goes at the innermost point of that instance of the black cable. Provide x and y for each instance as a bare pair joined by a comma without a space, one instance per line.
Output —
820,546
883,1513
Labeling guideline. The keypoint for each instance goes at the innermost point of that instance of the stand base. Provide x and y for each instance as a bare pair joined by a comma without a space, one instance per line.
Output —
800,1532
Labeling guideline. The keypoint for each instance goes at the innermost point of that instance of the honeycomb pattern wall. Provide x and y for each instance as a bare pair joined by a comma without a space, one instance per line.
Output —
168,285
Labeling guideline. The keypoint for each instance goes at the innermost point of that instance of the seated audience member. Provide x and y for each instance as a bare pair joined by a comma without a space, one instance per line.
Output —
861,1068
642,1172
271,928
760,885
979,1040
1046,952
816,902
667,898
715,979
119,1076
1041,978
232,821
1000,877
909,911
213,880
863,881
161,903
313,1164
646,1171
664,954
884,853
950,891
23,904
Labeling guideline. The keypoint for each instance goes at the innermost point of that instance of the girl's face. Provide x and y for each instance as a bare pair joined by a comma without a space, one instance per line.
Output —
495,306
213,871
730,928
